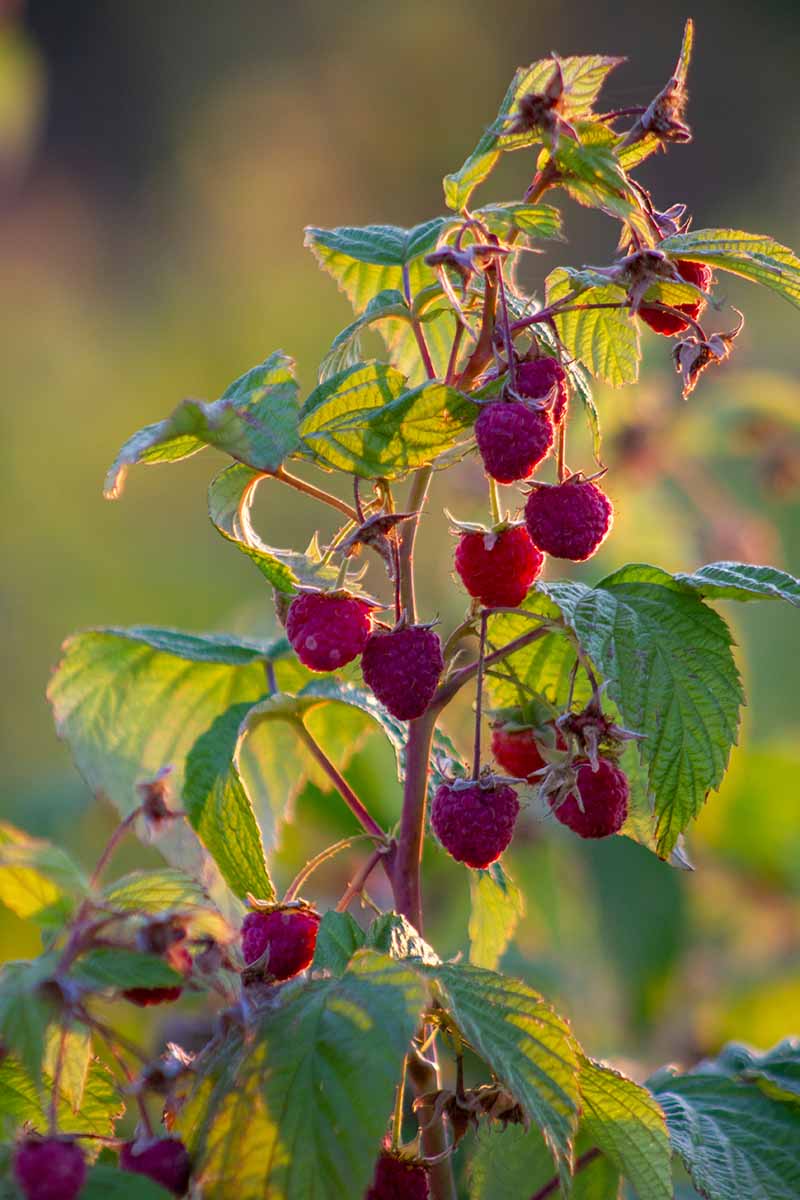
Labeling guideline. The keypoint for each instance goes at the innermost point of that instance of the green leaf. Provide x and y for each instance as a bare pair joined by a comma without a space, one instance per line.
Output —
105,1182
156,891
630,156
590,173
363,421
667,659
74,1052
751,255
300,1111
627,1125
529,1048
220,809
38,881
515,1164
777,1072
583,78
345,347
605,340
114,967
274,758
369,260
742,581
230,498
21,1103
394,935
27,1010
255,421
734,1141
132,701
338,938
533,220
496,907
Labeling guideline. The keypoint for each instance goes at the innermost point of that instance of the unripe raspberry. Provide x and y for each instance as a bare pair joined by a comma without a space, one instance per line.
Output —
50,1168
667,324
181,960
402,667
288,935
569,520
474,823
513,439
535,379
327,629
164,1160
517,750
498,568
398,1178
604,796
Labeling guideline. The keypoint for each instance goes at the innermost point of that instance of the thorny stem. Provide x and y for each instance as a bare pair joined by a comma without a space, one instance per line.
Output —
447,690
504,322
452,362
422,345
317,861
358,882
357,808
405,871
397,1119
476,753
317,493
554,1184
424,1076
482,353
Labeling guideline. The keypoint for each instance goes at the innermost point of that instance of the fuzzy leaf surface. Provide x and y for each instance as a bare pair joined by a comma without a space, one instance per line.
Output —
38,881
751,255
605,340
627,1125
298,1112
496,908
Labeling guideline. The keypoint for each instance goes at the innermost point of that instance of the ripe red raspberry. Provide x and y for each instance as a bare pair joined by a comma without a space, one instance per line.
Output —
474,823
664,322
535,379
327,629
512,439
604,795
398,1178
49,1168
570,520
164,1160
517,750
402,667
181,960
288,935
498,568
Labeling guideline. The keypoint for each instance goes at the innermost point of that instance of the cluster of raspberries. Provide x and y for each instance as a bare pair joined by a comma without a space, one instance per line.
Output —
54,1168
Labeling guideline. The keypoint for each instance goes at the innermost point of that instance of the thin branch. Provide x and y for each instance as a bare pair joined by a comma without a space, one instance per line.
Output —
435,1142
115,839
406,867
317,861
554,1184
416,503
476,752
482,353
422,345
452,362
357,808
447,690
317,493
359,880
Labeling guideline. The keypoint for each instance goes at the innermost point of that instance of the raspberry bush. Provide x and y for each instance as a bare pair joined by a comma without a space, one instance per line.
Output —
346,1058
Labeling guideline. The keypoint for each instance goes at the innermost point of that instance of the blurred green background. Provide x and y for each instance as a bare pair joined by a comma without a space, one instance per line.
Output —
158,163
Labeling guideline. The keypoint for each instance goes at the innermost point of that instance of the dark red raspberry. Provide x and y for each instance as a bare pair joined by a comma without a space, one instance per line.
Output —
498,568
517,750
663,322
181,960
50,1168
402,667
535,379
474,823
327,629
288,935
604,795
164,1160
512,439
569,520
398,1178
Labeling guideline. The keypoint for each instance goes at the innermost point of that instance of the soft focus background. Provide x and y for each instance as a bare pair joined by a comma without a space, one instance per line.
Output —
158,163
